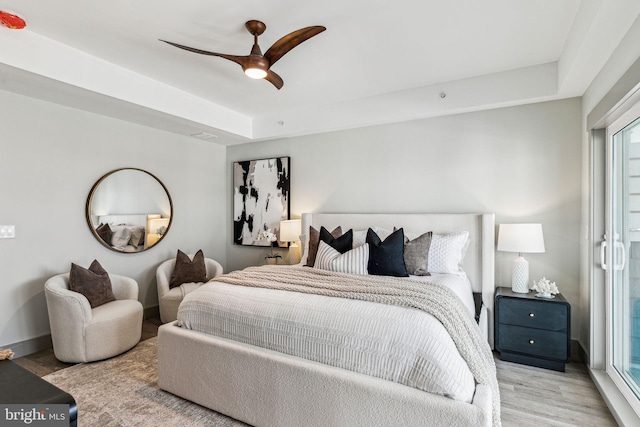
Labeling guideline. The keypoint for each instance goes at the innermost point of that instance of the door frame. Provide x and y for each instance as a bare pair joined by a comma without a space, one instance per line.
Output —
614,128
620,96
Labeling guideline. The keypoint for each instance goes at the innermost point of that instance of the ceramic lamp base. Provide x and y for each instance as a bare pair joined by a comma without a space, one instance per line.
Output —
520,276
293,256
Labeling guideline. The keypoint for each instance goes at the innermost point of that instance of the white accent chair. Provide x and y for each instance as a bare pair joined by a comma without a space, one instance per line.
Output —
169,299
82,334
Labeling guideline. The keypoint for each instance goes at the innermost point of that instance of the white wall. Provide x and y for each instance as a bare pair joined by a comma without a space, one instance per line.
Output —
50,156
522,163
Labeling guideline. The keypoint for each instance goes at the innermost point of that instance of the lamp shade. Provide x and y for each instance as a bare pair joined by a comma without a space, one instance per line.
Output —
158,225
290,230
521,238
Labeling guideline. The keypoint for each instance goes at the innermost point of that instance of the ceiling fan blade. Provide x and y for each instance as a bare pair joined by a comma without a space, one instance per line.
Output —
274,79
291,40
240,60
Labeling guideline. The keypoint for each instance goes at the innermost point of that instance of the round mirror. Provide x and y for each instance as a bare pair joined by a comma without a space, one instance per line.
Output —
129,210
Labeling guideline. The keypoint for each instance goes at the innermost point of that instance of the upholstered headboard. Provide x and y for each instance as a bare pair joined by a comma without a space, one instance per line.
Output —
137,220
479,258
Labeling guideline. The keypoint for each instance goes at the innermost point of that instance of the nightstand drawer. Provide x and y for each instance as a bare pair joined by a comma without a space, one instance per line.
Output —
535,342
533,314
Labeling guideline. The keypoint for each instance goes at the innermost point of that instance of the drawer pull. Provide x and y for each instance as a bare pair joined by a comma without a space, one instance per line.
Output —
532,342
532,315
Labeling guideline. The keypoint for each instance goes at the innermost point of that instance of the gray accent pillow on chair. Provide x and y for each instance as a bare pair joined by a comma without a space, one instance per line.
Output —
93,283
188,271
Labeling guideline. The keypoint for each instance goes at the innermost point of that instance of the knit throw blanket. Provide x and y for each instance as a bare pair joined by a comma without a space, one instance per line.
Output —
432,298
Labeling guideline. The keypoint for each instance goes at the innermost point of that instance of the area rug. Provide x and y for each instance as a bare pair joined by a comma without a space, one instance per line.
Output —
123,391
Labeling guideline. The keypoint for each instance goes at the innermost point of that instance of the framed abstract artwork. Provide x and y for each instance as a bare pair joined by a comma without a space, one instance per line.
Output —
261,199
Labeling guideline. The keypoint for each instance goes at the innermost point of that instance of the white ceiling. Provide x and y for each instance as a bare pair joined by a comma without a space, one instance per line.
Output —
378,61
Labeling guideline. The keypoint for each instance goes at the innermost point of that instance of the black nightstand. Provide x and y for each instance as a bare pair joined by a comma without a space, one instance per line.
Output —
533,331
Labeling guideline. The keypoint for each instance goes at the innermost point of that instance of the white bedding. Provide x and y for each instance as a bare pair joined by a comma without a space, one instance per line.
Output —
395,343
459,283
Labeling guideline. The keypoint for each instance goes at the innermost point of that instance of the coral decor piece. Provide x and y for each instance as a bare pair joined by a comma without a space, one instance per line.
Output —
545,288
11,21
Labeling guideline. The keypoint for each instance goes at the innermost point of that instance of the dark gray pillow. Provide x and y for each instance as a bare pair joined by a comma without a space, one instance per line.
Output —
386,258
416,254
105,233
187,271
93,283
341,244
314,240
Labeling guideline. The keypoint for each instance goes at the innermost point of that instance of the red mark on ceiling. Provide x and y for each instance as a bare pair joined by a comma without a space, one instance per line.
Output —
11,21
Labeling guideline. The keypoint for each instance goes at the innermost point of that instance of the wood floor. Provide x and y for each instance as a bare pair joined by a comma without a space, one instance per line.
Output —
530,397
534,397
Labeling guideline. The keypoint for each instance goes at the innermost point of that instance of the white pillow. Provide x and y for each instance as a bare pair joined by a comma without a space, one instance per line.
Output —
383,233
447,251
354,261
359,238
120,237
304,244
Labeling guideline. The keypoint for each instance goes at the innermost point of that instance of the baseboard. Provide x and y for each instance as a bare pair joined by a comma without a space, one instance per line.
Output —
582,354
577,352
32,345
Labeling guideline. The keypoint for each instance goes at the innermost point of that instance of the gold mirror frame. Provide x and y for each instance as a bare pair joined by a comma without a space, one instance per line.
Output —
155,214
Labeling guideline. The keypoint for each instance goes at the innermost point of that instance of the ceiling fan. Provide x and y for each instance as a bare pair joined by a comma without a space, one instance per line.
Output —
256,65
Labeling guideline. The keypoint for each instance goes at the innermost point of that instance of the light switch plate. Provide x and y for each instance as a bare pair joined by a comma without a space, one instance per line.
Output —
7,231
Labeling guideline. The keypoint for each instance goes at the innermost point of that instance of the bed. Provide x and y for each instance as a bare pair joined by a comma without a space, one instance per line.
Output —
276,387
123,233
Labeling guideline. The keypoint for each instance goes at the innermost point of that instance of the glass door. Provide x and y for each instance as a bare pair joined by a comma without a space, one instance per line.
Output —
622,250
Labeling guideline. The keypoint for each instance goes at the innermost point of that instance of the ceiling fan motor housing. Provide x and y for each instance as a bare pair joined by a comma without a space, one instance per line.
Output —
256,66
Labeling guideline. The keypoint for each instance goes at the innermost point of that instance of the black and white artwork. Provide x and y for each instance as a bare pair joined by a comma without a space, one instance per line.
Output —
260,199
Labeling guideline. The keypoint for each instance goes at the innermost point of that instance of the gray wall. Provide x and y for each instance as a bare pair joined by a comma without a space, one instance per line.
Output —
50,157
522,163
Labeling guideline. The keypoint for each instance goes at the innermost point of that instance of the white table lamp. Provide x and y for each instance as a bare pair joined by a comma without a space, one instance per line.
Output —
156,227
520,238
290,232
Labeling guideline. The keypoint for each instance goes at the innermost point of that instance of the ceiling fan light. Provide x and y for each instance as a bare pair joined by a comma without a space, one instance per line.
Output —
255,73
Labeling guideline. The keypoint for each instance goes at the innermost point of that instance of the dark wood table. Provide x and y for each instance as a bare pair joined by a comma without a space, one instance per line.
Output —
21,386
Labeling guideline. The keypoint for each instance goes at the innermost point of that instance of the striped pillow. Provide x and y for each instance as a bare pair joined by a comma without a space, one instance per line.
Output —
354,261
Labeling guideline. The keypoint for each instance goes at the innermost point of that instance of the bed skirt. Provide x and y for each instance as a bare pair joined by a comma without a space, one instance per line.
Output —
266,388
